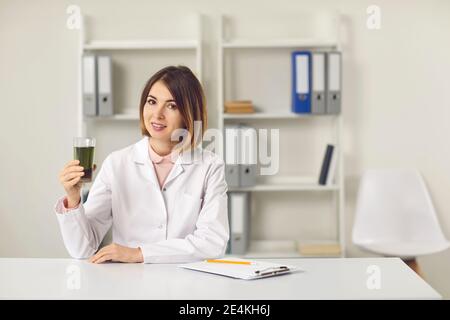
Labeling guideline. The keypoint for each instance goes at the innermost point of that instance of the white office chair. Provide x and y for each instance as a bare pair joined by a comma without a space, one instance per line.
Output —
395,215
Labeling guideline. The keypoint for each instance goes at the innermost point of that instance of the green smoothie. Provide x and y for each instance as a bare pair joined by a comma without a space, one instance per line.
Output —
86,157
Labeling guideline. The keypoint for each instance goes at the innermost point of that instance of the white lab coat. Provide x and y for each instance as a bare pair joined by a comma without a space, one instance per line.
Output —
186,221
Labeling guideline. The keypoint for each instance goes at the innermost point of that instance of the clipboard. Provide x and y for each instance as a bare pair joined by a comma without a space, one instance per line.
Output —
241,269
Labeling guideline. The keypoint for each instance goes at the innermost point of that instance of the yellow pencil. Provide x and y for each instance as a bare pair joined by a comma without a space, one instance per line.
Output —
228,261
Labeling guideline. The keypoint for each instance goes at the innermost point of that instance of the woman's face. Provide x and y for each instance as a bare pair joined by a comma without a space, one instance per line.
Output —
161,114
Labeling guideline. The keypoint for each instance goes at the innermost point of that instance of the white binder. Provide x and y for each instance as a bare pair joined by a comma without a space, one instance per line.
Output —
334,82
89,78
240,216
318,83
248,156
232,155
105,103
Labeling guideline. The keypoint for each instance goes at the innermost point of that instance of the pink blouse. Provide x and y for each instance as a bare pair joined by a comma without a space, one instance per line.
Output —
162,165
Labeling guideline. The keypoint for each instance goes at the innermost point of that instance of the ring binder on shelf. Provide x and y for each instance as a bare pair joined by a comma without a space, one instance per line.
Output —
334,82
318,83
238,206
89,78
232,145
301,82
247,156
104,74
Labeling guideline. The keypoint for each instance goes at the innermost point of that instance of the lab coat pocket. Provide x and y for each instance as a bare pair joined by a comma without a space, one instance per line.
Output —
187,210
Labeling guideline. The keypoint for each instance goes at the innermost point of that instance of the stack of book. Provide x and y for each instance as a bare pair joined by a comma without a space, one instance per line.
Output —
319,249
239,106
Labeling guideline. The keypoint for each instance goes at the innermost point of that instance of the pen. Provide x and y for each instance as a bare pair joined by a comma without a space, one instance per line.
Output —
229,261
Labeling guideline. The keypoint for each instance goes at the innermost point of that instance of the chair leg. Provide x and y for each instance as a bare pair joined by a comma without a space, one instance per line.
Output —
412,263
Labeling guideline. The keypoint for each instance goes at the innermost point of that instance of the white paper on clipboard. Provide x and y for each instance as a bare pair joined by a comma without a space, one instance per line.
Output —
255,270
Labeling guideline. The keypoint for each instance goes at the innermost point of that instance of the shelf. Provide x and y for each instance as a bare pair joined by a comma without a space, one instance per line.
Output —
286,187
141,45
280,43
252,116
259,249
268,115
116,117
288,183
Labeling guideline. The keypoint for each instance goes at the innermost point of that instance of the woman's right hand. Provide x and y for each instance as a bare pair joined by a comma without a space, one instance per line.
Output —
70,179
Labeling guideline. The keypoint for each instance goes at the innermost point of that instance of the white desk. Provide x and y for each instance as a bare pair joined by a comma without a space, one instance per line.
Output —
322,279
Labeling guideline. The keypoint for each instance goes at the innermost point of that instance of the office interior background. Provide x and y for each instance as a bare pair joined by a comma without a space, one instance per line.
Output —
395,106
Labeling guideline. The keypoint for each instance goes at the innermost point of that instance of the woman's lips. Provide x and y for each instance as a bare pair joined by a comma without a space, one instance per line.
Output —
158,126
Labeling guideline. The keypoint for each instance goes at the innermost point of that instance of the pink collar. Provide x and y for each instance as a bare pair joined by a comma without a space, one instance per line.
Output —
156,158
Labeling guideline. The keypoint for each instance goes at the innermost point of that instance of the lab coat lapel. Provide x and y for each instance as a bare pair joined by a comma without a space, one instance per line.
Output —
142,160
184,159
175,172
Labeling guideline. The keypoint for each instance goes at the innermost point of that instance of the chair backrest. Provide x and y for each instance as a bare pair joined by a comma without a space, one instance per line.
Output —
394,206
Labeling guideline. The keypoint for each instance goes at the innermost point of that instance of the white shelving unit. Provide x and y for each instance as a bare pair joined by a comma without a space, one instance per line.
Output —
151,46
282,248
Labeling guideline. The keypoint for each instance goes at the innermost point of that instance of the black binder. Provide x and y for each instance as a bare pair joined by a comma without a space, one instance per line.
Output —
326,164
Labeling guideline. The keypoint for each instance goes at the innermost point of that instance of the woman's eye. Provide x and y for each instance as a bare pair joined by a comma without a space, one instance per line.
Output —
151,102
171,106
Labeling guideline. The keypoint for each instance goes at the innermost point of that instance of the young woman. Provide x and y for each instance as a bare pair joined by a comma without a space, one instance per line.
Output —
165,198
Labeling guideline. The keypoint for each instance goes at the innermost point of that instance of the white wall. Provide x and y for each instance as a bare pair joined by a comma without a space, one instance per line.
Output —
396,109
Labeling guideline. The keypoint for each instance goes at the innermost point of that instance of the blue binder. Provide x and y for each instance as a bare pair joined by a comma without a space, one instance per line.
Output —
301,81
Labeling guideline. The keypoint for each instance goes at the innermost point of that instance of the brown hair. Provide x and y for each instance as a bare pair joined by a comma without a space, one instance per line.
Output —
187,93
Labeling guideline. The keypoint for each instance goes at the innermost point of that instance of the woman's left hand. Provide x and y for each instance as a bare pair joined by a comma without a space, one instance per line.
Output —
117,253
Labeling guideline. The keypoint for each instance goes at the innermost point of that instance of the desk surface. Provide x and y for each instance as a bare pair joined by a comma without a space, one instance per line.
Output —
322,279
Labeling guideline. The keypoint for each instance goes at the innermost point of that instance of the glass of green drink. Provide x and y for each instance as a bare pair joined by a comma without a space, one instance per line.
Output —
83,150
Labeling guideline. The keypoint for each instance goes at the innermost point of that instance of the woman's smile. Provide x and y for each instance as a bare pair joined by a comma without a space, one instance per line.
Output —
158,126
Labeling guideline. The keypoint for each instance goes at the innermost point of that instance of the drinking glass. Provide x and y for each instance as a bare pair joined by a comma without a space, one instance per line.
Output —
83,150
